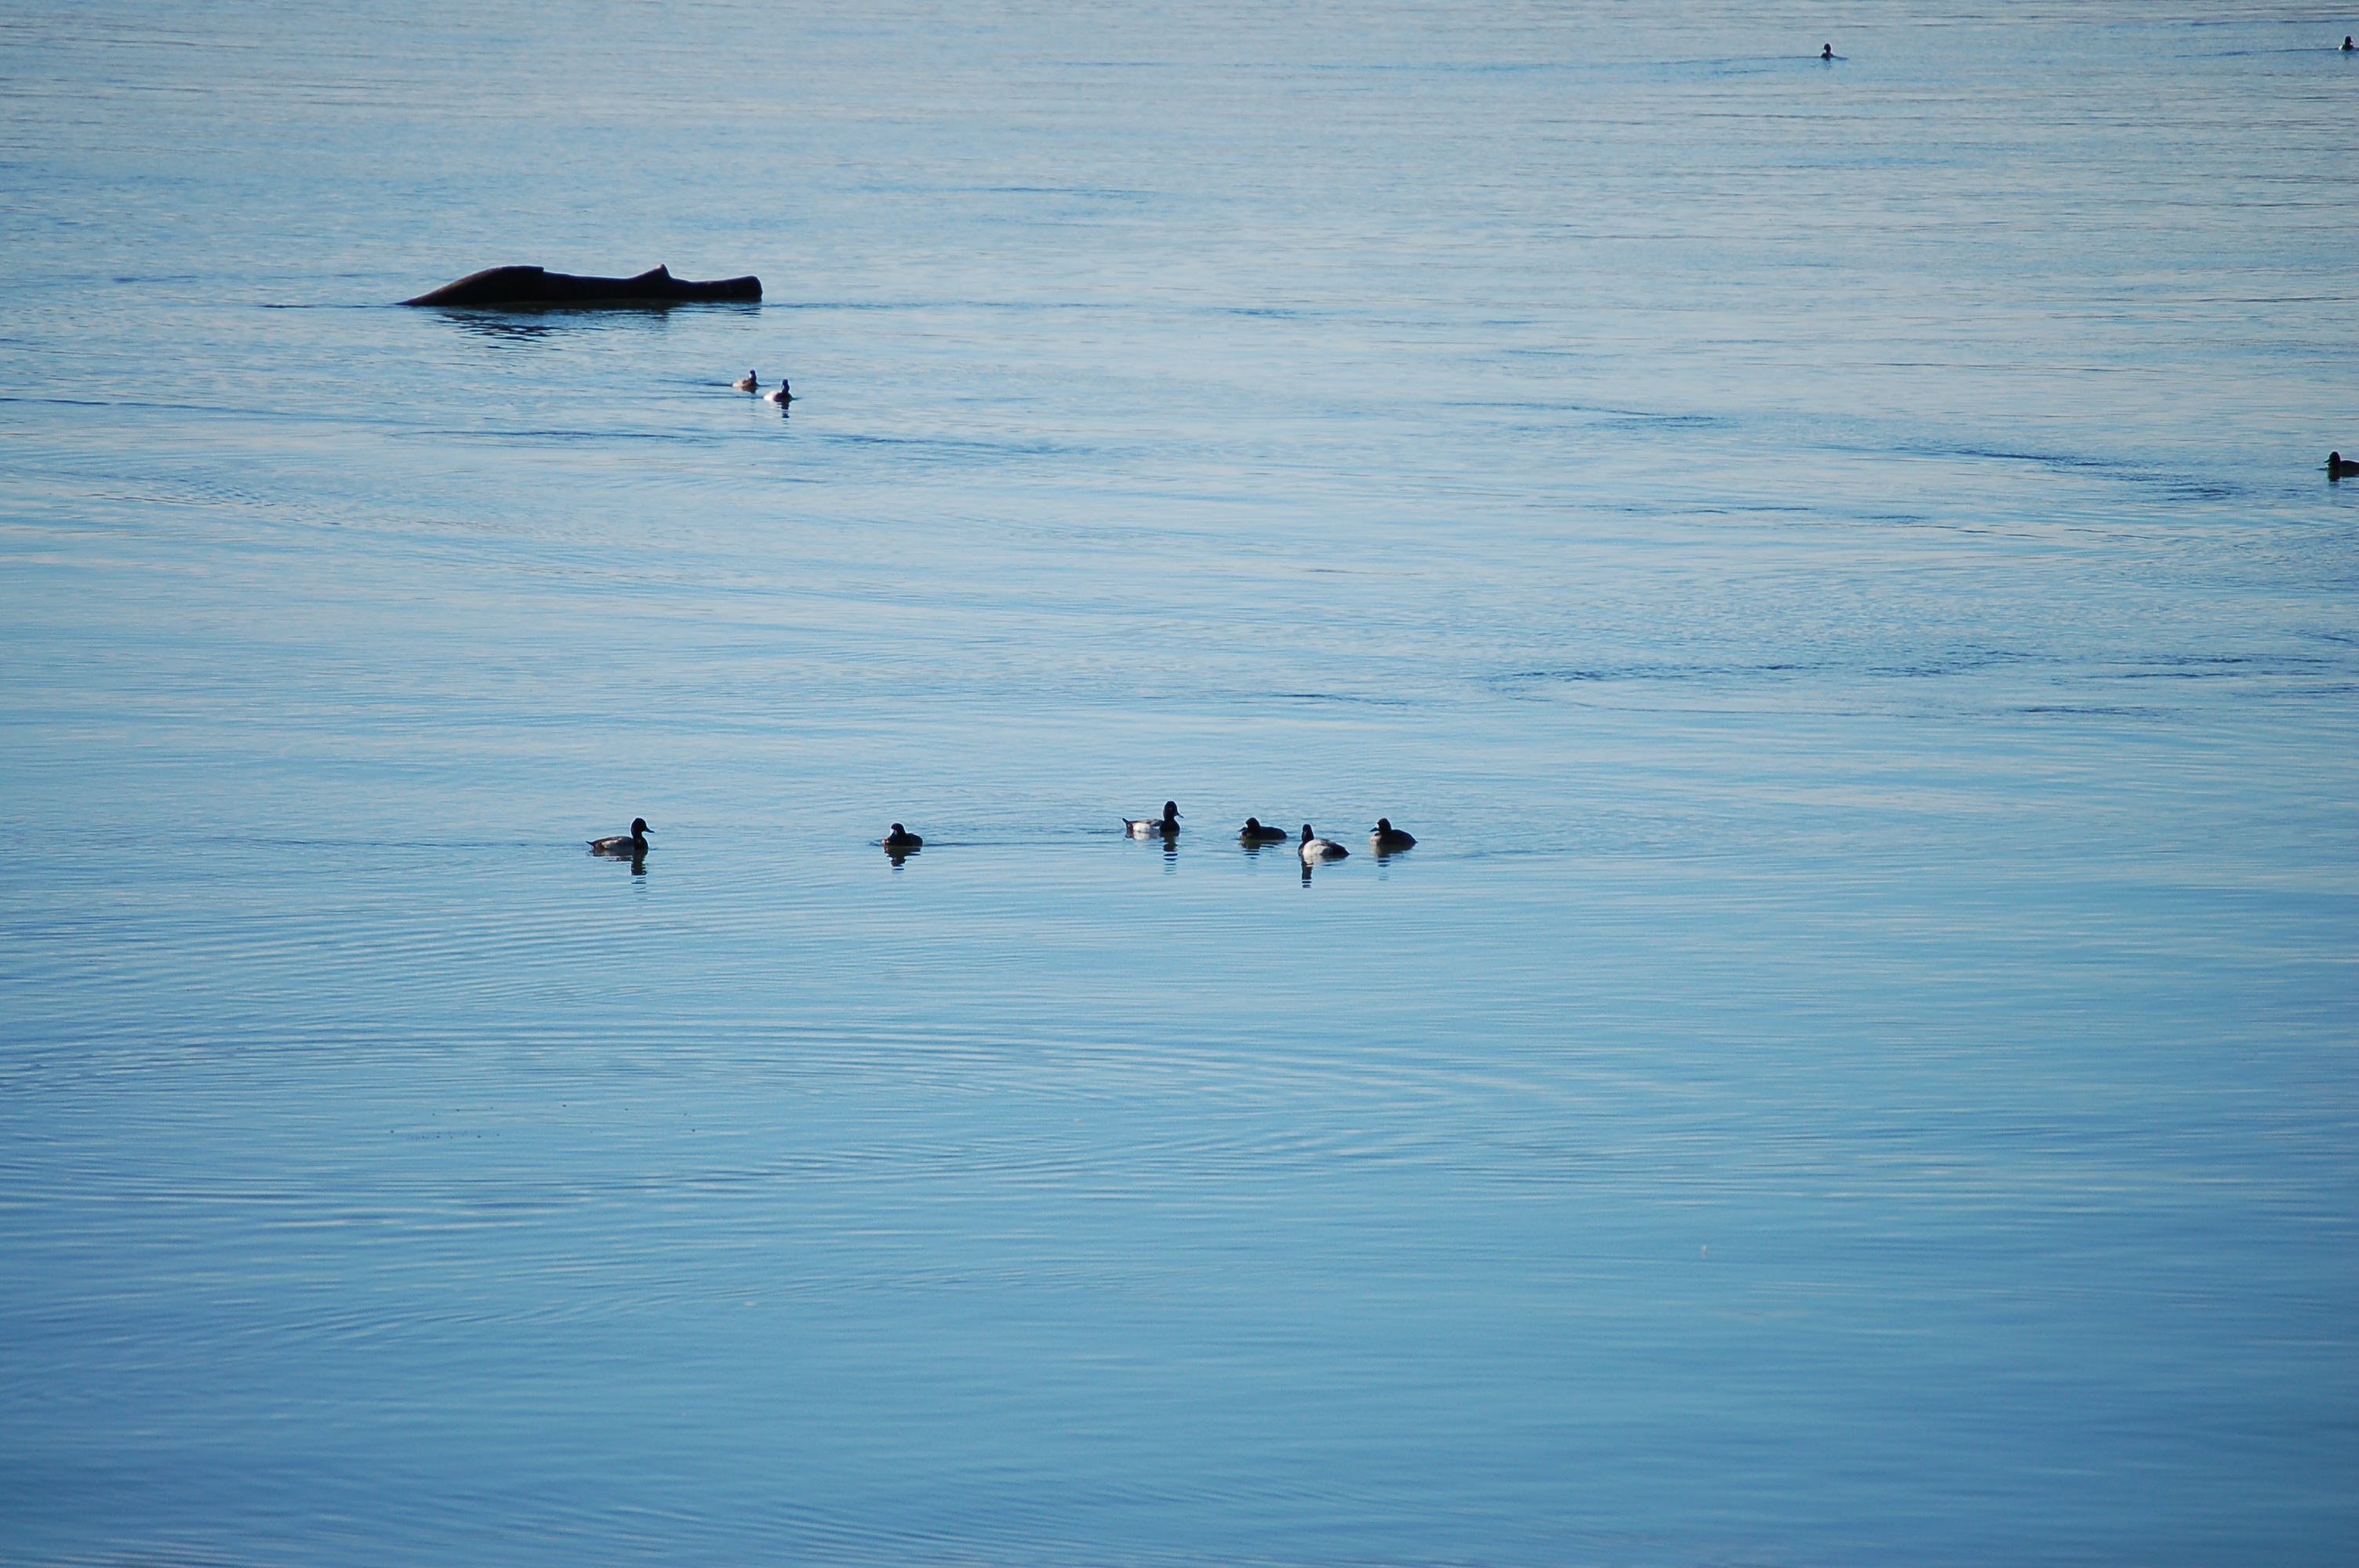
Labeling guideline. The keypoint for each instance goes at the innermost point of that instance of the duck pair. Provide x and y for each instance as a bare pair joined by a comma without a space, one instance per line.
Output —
749,382
634,843
1384,837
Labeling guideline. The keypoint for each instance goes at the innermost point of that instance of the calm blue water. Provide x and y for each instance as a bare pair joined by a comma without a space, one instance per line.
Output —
1831,560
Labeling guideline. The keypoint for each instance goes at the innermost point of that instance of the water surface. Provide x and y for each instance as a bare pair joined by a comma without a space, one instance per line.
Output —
1831,561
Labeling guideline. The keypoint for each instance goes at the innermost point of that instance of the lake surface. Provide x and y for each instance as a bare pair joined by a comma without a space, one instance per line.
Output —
1831,560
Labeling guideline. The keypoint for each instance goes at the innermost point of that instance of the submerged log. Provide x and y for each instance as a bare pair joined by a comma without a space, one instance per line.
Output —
532,285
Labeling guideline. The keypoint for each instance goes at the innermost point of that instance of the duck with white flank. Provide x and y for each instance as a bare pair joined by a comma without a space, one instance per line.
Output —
1317,848
2340,467
633,844
1387,839
749,382
1252,832
783,396
902,840
1147,827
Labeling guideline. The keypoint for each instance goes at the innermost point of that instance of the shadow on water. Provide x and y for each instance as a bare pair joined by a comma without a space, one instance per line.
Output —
1169,842
527,324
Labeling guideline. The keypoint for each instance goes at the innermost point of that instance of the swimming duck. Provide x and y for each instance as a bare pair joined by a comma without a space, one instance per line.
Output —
634,843
782,397
1827,52
2340,467
1387,839
2347,43
1252,832
902,839
749,382
1141,827
1317,848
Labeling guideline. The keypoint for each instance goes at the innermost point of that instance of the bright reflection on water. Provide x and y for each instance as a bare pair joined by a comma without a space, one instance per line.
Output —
1831,561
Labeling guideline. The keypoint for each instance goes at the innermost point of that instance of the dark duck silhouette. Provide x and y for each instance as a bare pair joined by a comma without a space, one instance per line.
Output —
634,843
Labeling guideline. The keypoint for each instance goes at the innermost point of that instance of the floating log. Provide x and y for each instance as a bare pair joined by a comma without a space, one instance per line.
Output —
534,286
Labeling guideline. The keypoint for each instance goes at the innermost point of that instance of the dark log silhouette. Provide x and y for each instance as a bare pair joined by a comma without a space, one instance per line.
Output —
532,286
